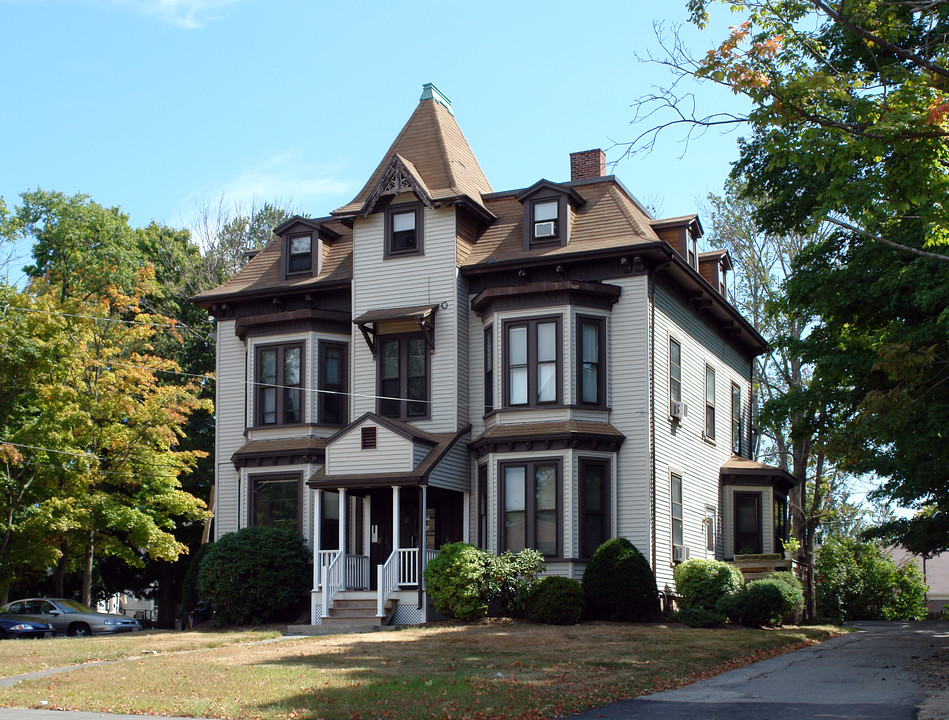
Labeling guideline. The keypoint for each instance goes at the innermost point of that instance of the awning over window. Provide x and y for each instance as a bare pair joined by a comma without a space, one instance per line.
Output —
395,320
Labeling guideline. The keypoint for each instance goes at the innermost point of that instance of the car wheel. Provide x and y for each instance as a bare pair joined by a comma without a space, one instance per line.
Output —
79,630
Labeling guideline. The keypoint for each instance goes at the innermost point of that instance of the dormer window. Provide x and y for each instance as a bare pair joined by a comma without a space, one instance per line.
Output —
545,221
693,252
403,229
300,254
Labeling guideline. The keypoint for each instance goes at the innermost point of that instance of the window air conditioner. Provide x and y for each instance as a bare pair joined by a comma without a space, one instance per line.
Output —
679,410
680,553
545,229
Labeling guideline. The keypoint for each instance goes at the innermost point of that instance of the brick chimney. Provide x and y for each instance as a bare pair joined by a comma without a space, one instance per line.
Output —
587,164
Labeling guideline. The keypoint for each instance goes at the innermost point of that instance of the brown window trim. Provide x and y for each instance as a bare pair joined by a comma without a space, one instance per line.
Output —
563,220
489,374
710,419
600,322
392,210
530,532
582,464
253,479
324,345
483,506
736,427
531,324
279,402
311,271
403,377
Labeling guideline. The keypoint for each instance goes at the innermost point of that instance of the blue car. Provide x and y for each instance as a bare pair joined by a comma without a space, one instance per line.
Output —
17,626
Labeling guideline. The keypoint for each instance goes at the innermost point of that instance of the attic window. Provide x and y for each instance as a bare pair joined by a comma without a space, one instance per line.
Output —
300,254
403,229
369,438
546,221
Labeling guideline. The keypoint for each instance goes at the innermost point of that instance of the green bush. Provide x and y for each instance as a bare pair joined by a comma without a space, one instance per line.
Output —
764,602
701,583
455,580
858,581
699,617
555,601
618,584
509,578
253,576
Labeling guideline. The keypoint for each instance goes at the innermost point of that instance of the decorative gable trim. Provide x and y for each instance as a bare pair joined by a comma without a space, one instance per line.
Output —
401,176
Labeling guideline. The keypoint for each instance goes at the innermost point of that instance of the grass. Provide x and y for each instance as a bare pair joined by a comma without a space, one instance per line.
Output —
497,669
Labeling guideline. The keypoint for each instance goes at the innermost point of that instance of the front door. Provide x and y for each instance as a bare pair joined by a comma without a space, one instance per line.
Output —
380,530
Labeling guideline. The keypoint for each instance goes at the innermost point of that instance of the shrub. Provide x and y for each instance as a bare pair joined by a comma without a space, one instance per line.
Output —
699,617
760,603
455,580
858,581
254,575
509,578
618,583
555,601
702,583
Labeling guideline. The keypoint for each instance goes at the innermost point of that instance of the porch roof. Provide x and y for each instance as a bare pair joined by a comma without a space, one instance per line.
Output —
443,443
739,470
279,448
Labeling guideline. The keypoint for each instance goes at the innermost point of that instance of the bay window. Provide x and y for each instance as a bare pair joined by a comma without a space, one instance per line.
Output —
530,514
532,359
275,501
594,480
591,361
279,383
403,377
332,370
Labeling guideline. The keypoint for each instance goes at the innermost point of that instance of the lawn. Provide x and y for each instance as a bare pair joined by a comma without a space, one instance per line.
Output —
497,669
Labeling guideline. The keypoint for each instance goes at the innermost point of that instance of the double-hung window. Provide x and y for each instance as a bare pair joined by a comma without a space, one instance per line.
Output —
594,477
300,254
677,518
403,377
279,372
591,361
545,221
488,370
736,419
332,370
530,514
709,402
675,371
532,357
403,229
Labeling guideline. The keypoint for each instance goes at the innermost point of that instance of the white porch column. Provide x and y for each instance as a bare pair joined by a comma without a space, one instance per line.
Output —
317,536
396,541
343,531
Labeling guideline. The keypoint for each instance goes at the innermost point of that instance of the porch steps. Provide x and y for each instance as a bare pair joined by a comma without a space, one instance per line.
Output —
350,615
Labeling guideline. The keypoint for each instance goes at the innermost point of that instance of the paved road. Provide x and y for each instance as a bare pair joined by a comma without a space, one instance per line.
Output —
864,675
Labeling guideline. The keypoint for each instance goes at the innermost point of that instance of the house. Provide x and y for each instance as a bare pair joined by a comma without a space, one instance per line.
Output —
435,361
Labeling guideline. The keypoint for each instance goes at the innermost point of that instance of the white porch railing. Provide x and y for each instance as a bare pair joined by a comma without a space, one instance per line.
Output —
357,572
399,570
387,580
331,577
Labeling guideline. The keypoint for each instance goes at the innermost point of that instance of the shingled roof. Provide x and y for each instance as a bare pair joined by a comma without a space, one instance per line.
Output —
438,153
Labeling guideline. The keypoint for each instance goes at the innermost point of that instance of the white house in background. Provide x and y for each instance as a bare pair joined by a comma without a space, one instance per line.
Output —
547,367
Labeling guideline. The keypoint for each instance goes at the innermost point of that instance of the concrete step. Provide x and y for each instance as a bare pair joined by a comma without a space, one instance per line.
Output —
334,626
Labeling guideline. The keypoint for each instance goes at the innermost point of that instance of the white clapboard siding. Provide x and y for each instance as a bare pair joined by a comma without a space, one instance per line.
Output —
681,447
229,411
628,350
380,283
393,452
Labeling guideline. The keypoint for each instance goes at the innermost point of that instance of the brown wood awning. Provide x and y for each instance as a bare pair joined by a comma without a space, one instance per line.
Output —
422,315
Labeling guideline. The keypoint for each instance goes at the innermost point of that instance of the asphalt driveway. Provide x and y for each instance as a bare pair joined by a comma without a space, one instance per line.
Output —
873,673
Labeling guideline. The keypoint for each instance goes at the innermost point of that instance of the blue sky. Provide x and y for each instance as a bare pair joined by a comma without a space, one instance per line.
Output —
161,105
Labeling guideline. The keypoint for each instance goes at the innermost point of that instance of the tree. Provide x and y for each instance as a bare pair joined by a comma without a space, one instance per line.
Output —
848,128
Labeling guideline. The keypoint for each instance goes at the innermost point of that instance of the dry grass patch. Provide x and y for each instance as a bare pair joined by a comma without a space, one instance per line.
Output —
486,670
22,656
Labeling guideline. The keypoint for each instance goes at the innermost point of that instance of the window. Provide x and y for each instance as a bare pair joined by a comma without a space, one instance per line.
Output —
747,523
275,501
591,365
329,523
676,495
736,419
332,405
780,523
280,384
709,403
545,222
710,530
595,528
403,377
530,513
403,229
675,371
532,362
299,254
693,252
483,506
488,370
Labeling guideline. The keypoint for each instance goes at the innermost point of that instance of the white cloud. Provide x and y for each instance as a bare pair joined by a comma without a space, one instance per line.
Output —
189,14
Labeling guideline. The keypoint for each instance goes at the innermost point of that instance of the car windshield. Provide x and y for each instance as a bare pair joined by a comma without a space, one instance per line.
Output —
71,606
